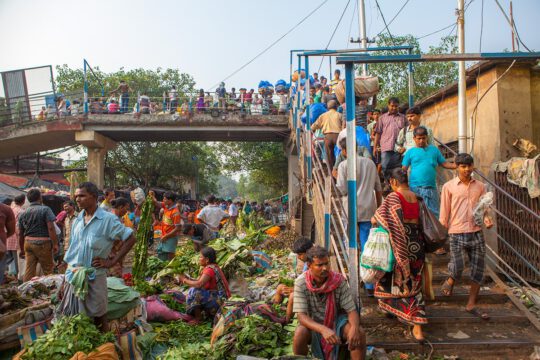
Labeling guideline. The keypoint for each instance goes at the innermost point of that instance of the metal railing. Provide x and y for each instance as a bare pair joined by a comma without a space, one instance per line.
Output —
514,270
321,187
42,109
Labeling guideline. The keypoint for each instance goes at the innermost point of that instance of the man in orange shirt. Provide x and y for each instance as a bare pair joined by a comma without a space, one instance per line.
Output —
171,225
458,200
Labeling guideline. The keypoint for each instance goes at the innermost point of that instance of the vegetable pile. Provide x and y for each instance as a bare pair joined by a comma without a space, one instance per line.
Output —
11,299
255,336
141,246
69,335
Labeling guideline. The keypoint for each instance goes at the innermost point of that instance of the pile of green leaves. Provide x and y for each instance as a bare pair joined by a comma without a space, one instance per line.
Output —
69,335
196,351
185,261
179,333
141,246
148,288
153,266
255,336
171,303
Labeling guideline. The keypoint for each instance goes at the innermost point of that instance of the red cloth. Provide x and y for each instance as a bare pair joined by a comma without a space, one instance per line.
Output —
410,210
13,241
390,216
211,284
221,281
333,281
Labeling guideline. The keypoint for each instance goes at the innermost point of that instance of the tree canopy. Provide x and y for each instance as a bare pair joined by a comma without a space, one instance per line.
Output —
428,77
263,165
153,82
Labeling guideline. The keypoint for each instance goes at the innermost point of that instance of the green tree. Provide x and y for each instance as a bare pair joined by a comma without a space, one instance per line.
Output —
153,82
428,77
227,188
264,162
251,190
164,164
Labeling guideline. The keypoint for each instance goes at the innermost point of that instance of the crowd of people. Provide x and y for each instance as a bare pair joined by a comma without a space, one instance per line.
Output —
397,157
267,100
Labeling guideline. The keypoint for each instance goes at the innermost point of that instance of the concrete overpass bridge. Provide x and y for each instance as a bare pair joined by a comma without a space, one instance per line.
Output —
100,133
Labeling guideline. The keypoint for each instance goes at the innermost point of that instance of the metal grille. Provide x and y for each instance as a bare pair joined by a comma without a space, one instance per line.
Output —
523,220
449,150
24,92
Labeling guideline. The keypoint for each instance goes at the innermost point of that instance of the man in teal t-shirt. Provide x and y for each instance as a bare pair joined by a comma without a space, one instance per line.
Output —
423,161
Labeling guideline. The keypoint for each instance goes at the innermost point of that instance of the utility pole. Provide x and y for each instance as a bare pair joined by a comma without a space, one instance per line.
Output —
462,84
363,36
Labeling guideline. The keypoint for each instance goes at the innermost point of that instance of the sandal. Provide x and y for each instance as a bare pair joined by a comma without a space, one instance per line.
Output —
440,252
446,288
480,314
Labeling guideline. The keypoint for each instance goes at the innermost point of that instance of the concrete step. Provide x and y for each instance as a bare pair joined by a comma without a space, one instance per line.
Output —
446,315
485,297
491,349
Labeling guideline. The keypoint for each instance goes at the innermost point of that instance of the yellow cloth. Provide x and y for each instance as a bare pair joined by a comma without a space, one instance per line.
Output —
104,352
329,122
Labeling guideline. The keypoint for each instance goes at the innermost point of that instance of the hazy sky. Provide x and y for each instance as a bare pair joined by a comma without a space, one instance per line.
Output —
210,39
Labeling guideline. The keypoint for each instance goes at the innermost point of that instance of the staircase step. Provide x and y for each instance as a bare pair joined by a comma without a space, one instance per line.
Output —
500,313
485,297
486,339
467,350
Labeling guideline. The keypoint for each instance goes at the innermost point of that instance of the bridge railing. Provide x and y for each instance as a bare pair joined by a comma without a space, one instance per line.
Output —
321,192
40,108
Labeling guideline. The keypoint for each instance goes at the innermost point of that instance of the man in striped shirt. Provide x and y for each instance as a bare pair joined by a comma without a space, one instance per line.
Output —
326,311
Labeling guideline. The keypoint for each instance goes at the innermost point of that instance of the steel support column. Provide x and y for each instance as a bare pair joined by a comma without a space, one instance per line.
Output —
351,179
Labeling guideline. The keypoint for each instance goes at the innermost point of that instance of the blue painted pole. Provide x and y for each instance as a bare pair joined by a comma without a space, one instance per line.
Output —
308,122
298,105
85,88
351,179
411,82
327,199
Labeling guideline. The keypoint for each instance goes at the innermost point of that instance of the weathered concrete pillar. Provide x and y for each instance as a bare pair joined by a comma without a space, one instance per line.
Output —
97,146
96,166
294,182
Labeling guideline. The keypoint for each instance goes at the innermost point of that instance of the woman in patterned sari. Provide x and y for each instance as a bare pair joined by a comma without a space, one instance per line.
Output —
210,290
399,292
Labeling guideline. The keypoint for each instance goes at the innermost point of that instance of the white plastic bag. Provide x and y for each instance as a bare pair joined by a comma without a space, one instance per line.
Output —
378,254
370,276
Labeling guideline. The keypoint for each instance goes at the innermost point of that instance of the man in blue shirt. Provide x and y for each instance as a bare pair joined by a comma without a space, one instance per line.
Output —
423,161
92,236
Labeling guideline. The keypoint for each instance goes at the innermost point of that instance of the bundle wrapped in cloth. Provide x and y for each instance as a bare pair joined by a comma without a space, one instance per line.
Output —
366,86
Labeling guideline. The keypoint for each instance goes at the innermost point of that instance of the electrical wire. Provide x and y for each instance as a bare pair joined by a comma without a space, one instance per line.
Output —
272,44
514,26
392,20
384,21
436,31
334,32
484,94
350,25
478,77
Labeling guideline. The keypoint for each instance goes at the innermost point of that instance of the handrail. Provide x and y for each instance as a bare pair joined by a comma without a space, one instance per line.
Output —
494,185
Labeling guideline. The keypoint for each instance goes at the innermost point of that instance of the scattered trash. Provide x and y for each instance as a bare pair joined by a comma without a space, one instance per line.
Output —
460,335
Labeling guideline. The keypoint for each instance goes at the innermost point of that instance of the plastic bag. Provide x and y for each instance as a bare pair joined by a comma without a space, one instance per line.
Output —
157,311
315,110
370,276
484,203
378,254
